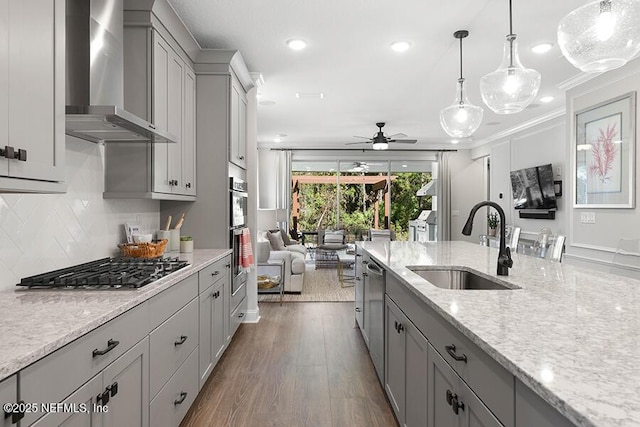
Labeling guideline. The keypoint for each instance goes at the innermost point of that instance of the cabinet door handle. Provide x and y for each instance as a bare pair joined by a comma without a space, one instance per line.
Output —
103,398
449,397
188,185
113,389
228,265
181,341
358,309
400,327
241,315
241,157
16,415
451,349
215,273
183,396
111,344
456,405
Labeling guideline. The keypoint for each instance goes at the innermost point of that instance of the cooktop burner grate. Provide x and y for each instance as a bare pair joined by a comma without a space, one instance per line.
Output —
106,273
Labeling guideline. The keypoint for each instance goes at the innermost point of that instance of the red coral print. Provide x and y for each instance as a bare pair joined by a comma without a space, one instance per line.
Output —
604,153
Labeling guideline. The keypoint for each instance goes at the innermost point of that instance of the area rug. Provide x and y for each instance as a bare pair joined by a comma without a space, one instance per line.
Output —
319,286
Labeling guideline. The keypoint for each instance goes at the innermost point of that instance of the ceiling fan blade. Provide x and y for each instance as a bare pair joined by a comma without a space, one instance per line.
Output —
363,137
355,143
397,135
404,141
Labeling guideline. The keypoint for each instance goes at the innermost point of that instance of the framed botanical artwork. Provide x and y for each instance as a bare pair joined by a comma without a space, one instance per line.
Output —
605,154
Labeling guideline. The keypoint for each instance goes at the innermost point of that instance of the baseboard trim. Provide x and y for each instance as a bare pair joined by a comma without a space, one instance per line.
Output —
252,316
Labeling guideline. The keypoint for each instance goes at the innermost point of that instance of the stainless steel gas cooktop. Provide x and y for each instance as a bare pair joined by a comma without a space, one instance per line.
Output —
106,273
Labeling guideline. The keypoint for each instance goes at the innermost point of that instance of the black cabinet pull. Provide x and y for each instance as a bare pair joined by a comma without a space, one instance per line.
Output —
183,338
113,389
241,315
228,265
9,152
365,274
358,309
15,415
21,155
188,185
400,327
103,398
456,405
183,396
241,157
451,349
215,273
111,344
449,397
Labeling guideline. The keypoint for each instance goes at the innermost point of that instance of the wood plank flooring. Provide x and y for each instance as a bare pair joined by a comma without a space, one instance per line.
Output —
303,364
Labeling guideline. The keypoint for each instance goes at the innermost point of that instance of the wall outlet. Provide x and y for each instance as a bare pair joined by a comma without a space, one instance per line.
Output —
588,217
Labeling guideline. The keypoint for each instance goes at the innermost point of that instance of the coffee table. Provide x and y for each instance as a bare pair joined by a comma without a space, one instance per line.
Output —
345,260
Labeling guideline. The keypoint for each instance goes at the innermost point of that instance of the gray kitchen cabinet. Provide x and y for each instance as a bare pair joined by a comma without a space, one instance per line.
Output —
9,394
32,57
129,377
451,402
532,411
159,87
213,316
212,335
85,397
406,367
238,126
359,289
118,396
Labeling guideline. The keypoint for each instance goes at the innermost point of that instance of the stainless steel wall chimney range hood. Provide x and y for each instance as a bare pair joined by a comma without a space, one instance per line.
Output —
95,79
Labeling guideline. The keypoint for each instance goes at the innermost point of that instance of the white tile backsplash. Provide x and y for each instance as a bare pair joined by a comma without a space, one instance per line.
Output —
42,232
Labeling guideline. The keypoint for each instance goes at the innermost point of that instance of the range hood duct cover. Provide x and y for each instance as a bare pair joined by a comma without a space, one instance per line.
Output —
95,77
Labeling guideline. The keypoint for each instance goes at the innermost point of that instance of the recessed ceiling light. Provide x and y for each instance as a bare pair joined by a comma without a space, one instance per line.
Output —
310,95
400,46
296,44
277,139
455,141
541,48
546,99
404,166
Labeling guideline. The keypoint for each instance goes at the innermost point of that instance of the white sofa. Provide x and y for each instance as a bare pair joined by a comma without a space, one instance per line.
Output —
293,255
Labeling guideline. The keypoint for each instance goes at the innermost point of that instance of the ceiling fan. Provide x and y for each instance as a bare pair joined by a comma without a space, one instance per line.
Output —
363,166
381,142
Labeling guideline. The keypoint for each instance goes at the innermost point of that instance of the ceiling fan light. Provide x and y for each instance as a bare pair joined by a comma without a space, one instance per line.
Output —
512,87
601,35
380,145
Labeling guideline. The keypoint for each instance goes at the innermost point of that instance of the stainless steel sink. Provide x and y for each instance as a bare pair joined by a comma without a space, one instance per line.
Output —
460,279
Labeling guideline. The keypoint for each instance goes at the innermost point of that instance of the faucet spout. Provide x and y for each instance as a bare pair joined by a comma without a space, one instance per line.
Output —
504,255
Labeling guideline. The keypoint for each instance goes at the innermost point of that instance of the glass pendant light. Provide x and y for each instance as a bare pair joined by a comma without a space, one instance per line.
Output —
461,119
511,87
601,35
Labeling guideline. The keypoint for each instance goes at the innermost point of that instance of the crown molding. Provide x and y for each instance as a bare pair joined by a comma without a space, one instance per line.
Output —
520,127
576,80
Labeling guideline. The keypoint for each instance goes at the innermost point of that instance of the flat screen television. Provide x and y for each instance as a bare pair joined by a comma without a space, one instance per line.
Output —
533,188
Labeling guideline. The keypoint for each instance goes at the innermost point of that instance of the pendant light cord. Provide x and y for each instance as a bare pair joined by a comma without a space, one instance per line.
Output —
461,58
511,37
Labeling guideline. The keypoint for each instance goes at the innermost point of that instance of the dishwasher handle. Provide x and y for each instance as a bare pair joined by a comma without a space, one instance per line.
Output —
373,268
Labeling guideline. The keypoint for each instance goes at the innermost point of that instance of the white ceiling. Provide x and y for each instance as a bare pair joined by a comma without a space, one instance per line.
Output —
349,59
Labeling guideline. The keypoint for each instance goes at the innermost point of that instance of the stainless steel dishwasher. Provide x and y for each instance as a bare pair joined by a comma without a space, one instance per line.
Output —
375,327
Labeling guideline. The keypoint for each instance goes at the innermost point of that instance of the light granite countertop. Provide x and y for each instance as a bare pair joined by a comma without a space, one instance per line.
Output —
572,335
35,323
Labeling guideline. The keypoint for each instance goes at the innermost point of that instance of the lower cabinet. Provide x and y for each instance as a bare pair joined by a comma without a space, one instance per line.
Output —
451,402
118,396
532,411
9,394
212,331
406,368
171,404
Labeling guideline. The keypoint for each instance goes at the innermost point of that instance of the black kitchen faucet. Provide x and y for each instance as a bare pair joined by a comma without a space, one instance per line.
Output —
504,255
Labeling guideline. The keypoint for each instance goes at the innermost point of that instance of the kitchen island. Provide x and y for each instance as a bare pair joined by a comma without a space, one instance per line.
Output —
571,335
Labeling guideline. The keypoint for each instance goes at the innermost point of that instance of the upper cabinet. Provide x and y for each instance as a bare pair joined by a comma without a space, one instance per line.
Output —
32,116
238,125
160,87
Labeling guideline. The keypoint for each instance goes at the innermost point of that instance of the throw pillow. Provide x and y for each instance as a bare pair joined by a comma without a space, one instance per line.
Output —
277,244
334,236
285,236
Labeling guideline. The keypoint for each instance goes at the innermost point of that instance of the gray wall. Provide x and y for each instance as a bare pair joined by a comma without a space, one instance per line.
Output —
594,244
467,189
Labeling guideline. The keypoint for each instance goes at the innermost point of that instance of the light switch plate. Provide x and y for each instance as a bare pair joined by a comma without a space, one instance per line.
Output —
588,217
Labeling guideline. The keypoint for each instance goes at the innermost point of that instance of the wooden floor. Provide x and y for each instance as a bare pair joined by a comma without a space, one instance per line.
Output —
303,364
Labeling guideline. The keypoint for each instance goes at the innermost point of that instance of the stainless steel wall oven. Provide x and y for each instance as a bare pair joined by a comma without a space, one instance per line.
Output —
239,200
